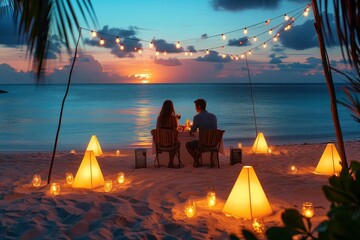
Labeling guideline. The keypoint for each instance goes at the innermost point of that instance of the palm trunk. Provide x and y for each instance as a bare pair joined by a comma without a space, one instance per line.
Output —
330,84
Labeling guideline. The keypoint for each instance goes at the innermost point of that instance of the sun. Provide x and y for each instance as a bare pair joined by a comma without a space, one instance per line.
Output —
143,77
145,81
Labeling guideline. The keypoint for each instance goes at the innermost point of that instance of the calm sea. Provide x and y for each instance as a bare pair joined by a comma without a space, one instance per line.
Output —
122,115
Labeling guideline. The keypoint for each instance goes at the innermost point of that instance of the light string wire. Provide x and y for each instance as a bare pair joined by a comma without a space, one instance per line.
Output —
298,14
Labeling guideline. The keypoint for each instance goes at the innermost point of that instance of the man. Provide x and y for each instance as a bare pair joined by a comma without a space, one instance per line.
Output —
202,120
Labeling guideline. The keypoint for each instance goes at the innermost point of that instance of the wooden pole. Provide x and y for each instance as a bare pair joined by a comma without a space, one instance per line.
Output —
330,84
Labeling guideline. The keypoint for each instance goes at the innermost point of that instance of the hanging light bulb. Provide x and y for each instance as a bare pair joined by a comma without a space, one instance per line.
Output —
264,45
286,17
267,21
242,55
186,53
122,47
255,38
224,55
223,36
93,34
191,53
165,52
275,39
207,52
157,53
117,40
140,51
237,58
245,31
270,31
222,47
178,45
102,41
151,45
249,52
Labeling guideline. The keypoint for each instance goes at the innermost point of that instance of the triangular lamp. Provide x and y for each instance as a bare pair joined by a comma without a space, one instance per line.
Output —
95,146
89,174
329,163
260,145
247,198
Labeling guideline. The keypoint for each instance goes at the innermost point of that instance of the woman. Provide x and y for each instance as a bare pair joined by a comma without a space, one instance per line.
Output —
167,118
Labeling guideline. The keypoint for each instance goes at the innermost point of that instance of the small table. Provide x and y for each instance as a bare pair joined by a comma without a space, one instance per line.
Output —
185,157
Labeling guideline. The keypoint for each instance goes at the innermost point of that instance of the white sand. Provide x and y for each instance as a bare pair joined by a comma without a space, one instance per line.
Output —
149,205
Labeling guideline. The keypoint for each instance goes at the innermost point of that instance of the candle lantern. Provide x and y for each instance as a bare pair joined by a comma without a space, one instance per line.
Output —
69,178
95,146
260,144
258,225
121,177
108,185
190,209
36,181
239,145
211,198
55,189
117,152
293,169
307,209
329,163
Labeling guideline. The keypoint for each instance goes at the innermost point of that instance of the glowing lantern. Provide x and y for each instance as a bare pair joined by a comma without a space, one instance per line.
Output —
260,145
329,163
36,181
247,198
121,177
89,174
211,198
55,189
307,209
190,209
69,178
95,146
108,186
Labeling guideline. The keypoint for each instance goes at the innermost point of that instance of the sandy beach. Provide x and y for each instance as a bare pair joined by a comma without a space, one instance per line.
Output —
150,203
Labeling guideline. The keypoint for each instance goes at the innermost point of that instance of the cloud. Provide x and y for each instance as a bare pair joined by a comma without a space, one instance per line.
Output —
170,62
204,36
10,75
239,5
213,56
308,39
54,47
161,45
276,59
219,66
277,48
241,42
128,40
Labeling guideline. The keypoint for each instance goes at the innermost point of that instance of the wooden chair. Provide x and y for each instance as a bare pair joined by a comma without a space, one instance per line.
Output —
166,140
209,141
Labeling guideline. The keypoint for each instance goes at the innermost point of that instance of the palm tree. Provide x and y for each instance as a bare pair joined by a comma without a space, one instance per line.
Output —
38,19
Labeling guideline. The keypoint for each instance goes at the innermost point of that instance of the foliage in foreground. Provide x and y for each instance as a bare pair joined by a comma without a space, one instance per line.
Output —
343,217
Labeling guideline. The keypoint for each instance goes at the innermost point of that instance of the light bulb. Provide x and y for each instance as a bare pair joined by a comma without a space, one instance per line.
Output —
165,52
102,41
117,40
178,45
245,31
242,55
186,53
255,38
122,47
306,13
223,36
151,45
286,17
264,45
93,34
140,51
270,31
207,52
249,52
157,53
275,39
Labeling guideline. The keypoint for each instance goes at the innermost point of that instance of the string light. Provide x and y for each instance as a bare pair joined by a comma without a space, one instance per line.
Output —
275,39
207,52
93,34
270,31
223,36
267,22
186,53
306,13
249,52
224,55
122,47
178,45
157,53
245,31
151,45
286,17
255,39
140,51
242,55
117,40
264,45
165,52
102,41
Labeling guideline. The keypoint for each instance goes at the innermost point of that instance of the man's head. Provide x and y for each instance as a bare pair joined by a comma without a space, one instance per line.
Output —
200,105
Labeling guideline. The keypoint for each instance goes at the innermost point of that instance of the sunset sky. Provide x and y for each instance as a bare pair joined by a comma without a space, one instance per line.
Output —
198,26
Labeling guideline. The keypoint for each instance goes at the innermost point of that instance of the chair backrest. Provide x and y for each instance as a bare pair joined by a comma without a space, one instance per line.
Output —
210,137
164,137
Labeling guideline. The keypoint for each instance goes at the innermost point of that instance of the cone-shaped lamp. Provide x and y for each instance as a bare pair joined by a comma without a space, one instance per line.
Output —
329,163
95,146
260,145
89,174
247,198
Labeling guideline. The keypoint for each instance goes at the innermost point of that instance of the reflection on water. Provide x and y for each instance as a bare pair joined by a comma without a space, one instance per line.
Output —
143,123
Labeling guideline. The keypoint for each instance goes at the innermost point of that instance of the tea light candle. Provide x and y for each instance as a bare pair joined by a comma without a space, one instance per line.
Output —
211,198
269,150
108,185
190,209
293,169
55,189
69,178
117,152
258,225
36,181
239,145
121,177
73,151
307,209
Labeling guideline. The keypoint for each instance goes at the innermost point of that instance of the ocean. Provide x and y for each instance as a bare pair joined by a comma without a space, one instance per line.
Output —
122,115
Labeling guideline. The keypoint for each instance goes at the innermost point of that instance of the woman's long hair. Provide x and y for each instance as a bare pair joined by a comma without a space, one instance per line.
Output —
166,112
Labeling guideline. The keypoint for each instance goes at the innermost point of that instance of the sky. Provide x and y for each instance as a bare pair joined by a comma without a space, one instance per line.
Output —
214,25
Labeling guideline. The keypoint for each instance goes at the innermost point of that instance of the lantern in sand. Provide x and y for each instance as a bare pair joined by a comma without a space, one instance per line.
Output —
121,177
247,198
260,145
190,209
329,163
89,174
36,181
307,209
211,198
108,185
69,178
95,146
55,189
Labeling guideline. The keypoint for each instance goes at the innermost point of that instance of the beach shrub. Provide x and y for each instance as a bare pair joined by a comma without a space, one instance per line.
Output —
343,221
